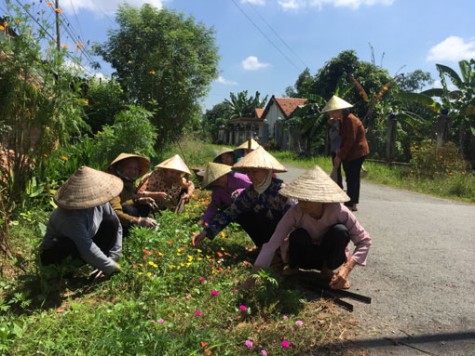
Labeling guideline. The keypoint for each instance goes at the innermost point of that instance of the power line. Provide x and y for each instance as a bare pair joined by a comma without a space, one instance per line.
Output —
277,35
266,37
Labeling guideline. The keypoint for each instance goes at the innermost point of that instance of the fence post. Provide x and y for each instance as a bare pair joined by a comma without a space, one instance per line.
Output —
391,137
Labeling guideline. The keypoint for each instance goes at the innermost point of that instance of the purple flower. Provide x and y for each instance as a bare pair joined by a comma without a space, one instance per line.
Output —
285,344
242,307
249,343
214,293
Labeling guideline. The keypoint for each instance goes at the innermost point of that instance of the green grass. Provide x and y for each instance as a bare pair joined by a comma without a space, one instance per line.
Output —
169,299
457,186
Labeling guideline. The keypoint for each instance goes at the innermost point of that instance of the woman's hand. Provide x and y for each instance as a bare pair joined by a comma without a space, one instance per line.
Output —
340,278
149,201
197,238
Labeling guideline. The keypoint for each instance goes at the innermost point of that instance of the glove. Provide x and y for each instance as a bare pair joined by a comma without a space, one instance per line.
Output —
146,222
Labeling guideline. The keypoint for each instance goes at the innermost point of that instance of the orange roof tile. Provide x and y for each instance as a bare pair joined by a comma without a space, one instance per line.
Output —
289,105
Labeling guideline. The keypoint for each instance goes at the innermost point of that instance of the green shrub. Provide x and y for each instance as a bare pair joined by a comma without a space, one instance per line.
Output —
430,161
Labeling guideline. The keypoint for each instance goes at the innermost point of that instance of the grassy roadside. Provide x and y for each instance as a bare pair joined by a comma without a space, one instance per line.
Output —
457,186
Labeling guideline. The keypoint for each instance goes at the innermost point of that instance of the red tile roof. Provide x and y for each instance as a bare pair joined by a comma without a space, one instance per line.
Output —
259,112
289,105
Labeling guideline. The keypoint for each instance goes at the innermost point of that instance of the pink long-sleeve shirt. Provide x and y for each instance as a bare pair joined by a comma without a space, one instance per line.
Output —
334,213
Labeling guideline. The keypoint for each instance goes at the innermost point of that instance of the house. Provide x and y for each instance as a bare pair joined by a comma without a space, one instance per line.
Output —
278,129
240,129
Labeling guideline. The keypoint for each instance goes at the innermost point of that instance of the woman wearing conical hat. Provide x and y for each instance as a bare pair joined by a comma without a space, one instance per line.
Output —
84,225
245,148
168,184
225,185
225,156
131,209
353,148
315,233
259,207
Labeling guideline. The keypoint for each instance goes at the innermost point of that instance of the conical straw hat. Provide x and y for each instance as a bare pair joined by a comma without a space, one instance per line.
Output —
315,185
144,162
336,103
222,152
249,144
214,171
175,163
259,158
87,188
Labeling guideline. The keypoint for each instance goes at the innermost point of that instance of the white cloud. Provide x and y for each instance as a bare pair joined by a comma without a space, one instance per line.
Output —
221,80
252,63
104,7
319,4
453,48
254,2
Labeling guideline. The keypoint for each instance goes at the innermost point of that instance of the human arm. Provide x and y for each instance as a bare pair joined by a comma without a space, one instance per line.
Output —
81,226
189,189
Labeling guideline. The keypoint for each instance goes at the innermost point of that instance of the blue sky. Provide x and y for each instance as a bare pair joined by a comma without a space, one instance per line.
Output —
265,44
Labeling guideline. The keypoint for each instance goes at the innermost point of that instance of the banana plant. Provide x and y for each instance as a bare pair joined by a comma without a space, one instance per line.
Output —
459,99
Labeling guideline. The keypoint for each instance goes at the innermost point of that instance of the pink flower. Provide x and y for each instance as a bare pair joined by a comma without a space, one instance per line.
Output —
202,279
198,313
235,290
242,307
263,352
284,317
214,293
285,344
299,323
160,321
249,343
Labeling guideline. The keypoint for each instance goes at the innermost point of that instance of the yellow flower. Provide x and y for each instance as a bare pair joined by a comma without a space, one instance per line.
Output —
64,158
152,72
2,28
85,101
49,3
65,45
58,10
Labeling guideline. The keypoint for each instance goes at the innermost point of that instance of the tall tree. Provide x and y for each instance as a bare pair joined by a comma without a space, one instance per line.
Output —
164,62
214,118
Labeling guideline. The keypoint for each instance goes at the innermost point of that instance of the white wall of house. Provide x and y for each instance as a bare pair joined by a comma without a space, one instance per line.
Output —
273,115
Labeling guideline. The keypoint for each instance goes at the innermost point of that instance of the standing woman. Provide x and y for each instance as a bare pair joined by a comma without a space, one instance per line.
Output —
353,148
259,208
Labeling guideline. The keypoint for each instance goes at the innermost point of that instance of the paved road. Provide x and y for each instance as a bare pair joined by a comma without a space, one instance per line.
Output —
420,274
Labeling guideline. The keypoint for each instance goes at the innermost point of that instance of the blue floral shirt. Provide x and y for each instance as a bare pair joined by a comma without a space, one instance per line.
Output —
270,201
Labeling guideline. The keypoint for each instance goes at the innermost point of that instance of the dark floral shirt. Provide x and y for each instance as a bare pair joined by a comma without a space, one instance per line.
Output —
270,201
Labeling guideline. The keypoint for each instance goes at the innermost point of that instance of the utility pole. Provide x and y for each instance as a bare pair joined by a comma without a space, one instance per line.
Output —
58,37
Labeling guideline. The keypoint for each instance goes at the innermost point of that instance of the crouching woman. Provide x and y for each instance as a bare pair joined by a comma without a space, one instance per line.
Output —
315,233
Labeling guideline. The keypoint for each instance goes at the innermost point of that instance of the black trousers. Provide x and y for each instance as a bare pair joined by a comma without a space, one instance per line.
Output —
258,226
353,179
339,177
65,247
330,253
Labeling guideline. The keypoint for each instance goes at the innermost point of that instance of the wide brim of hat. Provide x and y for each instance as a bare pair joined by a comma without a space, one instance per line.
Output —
249,144
214,171
222,152
144,162
336,103
175,163
259,158
315,185
87,188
